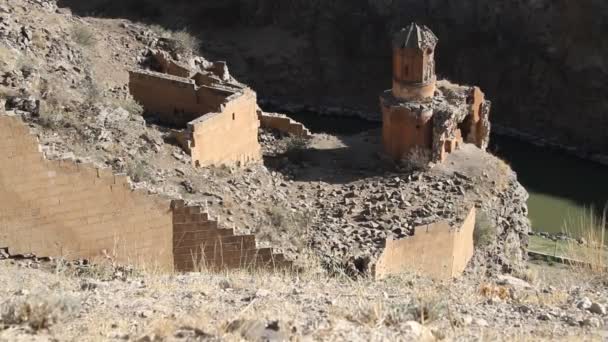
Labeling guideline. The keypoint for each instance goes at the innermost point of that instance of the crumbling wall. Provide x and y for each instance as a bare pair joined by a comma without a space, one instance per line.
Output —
405,127
229,136
60,208
167,65
283,124
199,243
174,100
64,209
437,250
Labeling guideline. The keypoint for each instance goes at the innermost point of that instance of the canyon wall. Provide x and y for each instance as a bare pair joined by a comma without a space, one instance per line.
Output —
544,63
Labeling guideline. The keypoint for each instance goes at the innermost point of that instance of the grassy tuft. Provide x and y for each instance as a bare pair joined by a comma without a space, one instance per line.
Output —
37,311
484,234
295,149
83,36
589,251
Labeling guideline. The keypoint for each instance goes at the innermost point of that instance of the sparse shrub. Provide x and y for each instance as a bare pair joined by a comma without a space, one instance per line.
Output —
138,171
423,309
295,148
418,159
52,110
485,231
589,252
6,93
428,308
26,65
279,217
50,119
93,92
527,274
39,40
131,106
8,58
38,311
184,41
83,35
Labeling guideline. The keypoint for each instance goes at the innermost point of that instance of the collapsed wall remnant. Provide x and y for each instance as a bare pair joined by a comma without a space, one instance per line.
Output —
217,114
284,124
65,209
419,112
437,250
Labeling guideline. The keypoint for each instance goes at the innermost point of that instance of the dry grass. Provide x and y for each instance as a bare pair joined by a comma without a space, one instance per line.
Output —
138,171
185,42
38,311
129,104
484,234
8,58
589,252
416,159
295,149
83,35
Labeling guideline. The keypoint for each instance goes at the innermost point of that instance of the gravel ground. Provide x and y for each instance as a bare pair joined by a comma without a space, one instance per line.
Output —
42,301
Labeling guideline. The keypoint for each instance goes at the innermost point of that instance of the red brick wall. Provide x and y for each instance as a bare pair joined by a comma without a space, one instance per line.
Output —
199,243
64,209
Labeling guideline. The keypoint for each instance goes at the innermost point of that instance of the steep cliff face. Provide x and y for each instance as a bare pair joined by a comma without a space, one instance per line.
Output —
542,62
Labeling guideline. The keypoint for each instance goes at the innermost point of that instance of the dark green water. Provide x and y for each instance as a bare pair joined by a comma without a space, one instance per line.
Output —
562,188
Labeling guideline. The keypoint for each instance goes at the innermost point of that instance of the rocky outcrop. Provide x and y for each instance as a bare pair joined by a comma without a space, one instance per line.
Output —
507,213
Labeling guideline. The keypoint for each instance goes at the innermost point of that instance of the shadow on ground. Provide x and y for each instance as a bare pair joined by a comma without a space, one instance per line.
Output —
334,159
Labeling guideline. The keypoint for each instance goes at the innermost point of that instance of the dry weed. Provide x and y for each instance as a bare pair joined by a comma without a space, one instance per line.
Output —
83,35
589,252
184,41
38,311
490,290
417,159
484,233
8,58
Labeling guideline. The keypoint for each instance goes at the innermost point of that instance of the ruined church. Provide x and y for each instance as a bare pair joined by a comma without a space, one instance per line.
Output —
423,116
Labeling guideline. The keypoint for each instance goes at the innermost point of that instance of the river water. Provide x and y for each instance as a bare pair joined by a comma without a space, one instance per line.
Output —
562,188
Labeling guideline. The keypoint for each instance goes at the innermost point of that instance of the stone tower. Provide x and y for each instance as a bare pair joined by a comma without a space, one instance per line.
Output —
421,114
407,121
414,63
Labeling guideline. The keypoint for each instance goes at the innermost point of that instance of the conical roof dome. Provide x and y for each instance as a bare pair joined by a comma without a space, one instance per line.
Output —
415,37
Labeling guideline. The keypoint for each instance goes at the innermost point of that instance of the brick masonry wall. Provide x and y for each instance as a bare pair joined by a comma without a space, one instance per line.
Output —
283,124
174,100
70,210
229,136
199,243
435,250
60,208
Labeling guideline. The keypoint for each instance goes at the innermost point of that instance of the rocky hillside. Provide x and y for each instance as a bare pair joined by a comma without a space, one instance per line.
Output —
329,202
543,63
67,77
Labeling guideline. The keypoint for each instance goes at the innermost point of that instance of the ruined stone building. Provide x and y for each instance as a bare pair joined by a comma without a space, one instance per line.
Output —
421,113
61,208
217,116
